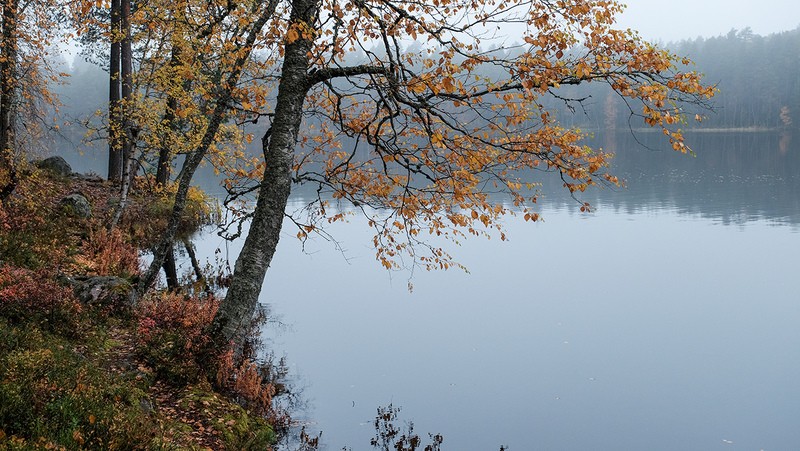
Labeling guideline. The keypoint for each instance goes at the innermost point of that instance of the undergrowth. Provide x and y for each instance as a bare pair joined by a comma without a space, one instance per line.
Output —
53,395
82,376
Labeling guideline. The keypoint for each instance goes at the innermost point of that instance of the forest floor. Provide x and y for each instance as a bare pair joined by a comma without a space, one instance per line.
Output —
106,374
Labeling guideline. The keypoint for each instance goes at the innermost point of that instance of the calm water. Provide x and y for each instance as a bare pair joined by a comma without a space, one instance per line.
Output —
667,320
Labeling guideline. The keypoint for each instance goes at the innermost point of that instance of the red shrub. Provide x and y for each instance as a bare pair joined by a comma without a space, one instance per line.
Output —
27,295
108,254
247,384
171,333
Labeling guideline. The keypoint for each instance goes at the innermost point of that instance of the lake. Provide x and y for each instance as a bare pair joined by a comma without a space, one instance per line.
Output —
667,319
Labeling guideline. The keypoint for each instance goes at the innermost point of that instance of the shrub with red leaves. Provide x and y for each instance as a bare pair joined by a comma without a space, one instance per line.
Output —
171,333
109,254
34,296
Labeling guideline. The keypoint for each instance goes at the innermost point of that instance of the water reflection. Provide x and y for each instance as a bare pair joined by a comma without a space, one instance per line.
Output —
608,333
733,178
652,324
785,142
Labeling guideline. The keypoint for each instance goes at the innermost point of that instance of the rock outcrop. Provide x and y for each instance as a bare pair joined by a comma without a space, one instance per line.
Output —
56,166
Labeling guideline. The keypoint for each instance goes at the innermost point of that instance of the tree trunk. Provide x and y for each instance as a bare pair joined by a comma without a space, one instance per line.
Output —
8,83
163,166
114,113
169,121
126,134
194,158
124,191
171,270
190,165
236,312
126,56
198,271
9,167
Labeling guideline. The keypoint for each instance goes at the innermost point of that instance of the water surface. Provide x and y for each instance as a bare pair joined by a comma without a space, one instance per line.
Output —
668,319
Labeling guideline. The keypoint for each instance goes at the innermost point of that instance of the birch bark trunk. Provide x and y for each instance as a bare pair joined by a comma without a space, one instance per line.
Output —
236,311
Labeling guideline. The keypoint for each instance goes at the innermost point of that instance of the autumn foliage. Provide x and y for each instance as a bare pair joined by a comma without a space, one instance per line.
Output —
432,119
437,139
451,124
76,377
171,333
108,253
34,296
172,336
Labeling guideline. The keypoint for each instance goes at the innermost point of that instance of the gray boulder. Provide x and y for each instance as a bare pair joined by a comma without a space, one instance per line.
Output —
105,291
56,166
77,205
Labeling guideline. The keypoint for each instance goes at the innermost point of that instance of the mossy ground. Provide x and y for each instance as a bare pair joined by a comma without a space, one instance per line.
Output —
73,376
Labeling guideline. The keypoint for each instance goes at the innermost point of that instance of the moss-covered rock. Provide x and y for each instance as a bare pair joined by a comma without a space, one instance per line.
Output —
77,205
105,291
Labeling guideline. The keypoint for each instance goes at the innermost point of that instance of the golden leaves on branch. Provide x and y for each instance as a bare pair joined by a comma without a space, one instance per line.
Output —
445,124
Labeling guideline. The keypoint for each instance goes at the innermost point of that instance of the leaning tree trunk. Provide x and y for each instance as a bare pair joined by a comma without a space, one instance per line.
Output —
190,165
198,271
236,311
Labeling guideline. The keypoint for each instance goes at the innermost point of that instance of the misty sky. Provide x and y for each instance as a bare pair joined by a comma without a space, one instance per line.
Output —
674,20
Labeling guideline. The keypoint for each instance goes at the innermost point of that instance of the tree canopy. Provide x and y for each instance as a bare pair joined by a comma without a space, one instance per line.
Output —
419,113
433,119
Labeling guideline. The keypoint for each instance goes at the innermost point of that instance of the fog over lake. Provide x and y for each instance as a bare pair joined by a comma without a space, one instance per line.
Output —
667,319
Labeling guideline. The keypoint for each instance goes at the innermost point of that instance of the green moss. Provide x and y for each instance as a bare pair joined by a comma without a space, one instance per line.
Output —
110,343
238,429
51,391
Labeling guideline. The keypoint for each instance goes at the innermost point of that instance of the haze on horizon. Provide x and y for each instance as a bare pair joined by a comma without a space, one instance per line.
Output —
687,19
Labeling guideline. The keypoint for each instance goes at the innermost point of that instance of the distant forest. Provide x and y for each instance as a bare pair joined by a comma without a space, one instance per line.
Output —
758,79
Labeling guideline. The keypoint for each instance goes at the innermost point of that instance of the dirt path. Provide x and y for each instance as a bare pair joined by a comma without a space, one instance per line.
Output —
185,421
